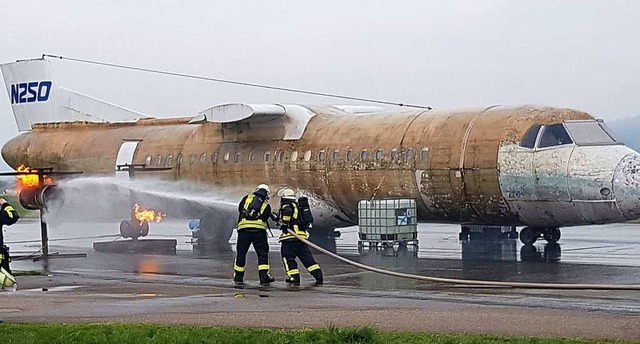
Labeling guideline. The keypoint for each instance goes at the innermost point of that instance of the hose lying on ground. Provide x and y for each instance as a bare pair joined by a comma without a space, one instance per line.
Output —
475,283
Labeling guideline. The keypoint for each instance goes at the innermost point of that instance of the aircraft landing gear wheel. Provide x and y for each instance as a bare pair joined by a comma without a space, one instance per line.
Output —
552,235
528,235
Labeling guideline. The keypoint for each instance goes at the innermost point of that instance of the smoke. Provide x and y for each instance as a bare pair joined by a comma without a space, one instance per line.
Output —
110,199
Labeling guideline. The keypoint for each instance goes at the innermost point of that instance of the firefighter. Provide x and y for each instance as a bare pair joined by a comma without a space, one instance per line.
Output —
291,248
8,216
254,212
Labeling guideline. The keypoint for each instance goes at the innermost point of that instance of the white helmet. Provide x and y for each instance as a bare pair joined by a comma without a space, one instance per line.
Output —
288,193
265,187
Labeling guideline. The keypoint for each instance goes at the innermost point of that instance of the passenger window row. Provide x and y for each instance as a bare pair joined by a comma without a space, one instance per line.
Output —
395,155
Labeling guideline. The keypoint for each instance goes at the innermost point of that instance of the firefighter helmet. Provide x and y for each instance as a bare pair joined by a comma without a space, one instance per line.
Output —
265,187
288,193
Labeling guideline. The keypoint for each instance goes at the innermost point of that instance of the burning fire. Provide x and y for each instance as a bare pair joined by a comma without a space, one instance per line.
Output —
144,215
27,181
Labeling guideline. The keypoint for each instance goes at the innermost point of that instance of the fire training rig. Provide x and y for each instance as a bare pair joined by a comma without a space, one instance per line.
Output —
138,225
36,191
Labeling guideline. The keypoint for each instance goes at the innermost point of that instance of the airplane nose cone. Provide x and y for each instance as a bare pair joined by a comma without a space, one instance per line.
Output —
626,186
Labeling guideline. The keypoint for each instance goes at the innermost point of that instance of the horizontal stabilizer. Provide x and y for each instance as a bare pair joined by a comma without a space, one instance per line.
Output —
36,97
73,106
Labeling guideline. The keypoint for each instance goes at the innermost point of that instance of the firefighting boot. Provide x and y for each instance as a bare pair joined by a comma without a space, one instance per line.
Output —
293,279
265,278
317,274
238,277
7,281
5,259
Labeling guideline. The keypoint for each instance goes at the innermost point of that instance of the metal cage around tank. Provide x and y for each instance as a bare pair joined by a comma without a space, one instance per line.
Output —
387,222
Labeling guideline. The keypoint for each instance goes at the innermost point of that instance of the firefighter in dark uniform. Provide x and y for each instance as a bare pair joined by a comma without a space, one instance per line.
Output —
254,212
8,216
291,248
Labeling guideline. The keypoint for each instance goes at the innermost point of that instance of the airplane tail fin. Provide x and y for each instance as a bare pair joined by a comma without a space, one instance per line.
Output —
36,97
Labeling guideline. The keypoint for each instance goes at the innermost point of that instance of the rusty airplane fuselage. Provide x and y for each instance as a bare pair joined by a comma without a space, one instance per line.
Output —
461,166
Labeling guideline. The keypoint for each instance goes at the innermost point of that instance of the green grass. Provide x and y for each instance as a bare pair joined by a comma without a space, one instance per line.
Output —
17,273
119,333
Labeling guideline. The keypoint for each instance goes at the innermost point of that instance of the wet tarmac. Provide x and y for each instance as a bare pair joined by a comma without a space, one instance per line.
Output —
608,254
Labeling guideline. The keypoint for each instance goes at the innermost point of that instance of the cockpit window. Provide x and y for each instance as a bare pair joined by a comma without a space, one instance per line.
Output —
554,135
529,138
590,132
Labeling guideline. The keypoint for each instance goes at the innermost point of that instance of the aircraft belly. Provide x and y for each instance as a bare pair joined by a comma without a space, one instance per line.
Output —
562,214
598,212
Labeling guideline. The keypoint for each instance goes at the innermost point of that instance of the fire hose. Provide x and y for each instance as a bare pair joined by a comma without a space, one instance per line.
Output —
474,283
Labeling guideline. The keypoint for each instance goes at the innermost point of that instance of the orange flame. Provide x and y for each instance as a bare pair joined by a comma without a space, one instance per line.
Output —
27,181
144,215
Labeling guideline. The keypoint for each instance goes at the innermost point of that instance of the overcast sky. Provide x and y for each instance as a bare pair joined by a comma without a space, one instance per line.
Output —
582,54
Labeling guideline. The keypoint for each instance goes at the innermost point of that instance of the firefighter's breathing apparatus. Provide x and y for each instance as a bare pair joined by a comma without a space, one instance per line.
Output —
472,283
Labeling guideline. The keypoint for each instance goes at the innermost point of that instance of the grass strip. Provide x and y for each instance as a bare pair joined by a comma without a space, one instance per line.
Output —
176,334
17,273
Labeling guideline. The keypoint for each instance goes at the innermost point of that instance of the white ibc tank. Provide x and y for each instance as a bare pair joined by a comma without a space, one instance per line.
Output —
387,220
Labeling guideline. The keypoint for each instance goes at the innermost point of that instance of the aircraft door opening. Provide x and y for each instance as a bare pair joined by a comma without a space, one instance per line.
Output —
125,157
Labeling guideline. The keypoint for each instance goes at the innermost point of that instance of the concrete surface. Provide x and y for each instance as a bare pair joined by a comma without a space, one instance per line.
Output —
195,287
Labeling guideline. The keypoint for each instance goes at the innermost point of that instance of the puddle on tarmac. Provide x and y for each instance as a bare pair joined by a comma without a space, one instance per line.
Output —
55,289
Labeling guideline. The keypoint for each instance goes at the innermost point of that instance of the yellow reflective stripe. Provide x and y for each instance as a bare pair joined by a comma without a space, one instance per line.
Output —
313,267
238,268
293,272
1,257
263,207
250,198
9,210
295,218
263,267
286,266
248,201
287,236
244,223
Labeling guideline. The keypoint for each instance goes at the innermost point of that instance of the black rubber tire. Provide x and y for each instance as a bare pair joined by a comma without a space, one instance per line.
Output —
552,235
528,235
